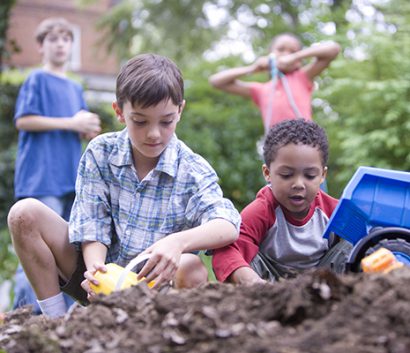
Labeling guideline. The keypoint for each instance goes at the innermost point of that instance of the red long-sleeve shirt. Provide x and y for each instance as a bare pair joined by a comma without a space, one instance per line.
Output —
267,227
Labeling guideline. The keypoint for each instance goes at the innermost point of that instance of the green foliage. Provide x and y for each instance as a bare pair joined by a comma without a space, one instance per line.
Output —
370,125
8,143
161,28
207,260
223,129
184,30
7,258
5,8
108,120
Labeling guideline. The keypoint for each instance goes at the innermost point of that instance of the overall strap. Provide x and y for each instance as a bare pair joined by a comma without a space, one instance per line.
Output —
268,113
275,75
290,96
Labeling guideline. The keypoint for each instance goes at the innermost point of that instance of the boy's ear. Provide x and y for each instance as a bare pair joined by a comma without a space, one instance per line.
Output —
324,174
40,48
118,112
181,108
266,173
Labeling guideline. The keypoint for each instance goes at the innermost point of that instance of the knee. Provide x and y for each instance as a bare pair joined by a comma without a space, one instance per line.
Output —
22,217
191,272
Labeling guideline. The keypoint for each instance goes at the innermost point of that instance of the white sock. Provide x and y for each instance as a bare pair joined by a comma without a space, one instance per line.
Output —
54,306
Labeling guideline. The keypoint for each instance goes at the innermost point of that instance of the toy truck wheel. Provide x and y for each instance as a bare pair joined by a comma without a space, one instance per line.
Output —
397,240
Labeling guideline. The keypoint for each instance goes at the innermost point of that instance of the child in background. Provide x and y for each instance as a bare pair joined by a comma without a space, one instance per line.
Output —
288,94
138,191
281,230
51,116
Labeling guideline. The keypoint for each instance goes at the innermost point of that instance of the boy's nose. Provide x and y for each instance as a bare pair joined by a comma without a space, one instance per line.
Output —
153,133
298,183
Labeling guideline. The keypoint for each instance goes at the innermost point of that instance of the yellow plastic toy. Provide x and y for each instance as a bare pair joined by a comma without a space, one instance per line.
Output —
117,277
382,260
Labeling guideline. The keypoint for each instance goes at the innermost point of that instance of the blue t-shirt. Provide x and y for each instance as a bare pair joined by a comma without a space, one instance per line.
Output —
47,162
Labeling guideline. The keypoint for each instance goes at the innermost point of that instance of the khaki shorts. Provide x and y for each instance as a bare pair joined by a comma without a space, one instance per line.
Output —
271,270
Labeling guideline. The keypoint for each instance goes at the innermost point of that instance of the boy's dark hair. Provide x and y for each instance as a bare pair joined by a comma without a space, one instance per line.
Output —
148,79
50,24
297,131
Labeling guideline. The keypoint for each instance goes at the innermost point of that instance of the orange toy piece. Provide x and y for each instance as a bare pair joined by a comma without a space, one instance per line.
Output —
108,280
382,260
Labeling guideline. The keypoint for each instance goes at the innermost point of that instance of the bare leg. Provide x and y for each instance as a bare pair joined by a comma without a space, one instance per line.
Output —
191,272
40,238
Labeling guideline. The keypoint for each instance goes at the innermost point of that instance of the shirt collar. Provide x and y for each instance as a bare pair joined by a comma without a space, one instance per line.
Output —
121,154
168,161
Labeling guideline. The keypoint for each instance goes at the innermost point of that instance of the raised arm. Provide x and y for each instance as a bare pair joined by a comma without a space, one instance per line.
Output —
322,55
228,80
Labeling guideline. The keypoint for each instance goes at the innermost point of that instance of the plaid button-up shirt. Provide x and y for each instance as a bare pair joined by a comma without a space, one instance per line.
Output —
127,215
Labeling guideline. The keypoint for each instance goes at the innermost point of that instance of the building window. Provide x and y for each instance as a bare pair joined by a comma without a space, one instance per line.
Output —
75,60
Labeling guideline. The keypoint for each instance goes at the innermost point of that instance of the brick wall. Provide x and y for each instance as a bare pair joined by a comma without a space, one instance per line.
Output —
27,14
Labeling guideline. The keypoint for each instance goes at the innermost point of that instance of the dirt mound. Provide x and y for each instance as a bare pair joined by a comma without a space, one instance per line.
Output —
316,312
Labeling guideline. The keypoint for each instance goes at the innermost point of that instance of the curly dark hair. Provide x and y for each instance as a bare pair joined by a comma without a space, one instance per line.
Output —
297,131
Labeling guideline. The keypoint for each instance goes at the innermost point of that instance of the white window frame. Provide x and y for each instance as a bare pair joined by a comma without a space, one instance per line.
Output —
75,59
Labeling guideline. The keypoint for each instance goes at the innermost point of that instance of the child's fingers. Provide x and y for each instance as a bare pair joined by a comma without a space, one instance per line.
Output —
86,286
148,267
156,272
163,272
89,276
91,296
159,281
164,278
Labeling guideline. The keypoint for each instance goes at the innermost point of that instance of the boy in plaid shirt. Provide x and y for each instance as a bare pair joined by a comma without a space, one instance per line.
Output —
138,191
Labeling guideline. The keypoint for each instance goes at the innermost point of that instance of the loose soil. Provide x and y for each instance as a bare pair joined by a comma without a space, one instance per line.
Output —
315,312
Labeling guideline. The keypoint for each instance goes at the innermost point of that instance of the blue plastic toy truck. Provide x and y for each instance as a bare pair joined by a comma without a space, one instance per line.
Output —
374,212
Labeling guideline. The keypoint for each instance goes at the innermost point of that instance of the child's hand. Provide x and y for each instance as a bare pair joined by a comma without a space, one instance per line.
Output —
86,123
246,276
163,263
287,63
261,64
89,278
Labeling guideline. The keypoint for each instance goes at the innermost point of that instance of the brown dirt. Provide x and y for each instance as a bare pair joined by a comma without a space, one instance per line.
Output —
316,312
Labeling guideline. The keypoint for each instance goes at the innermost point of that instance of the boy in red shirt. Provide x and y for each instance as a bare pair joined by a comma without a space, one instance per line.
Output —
281,230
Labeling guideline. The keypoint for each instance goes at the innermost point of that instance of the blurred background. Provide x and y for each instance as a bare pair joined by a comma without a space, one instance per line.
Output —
363,100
